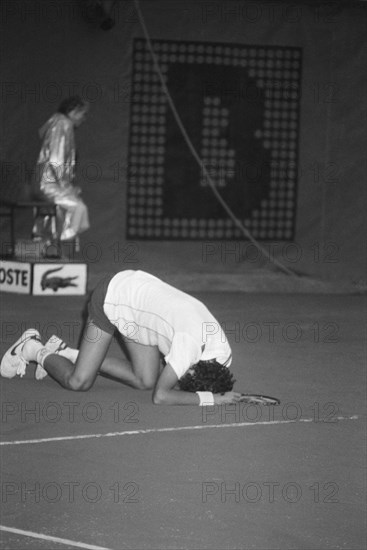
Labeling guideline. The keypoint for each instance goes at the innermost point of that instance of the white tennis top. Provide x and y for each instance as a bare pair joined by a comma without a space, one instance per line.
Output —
151,312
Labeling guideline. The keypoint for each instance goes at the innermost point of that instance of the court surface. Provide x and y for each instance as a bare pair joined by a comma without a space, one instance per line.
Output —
108,469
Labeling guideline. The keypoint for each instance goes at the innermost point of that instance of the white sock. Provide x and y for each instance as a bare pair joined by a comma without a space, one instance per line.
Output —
69,353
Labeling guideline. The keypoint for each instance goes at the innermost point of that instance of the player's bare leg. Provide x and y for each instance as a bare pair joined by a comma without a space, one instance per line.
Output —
81,375
145,363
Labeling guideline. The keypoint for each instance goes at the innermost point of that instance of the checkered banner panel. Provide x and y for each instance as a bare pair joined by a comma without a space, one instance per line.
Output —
240,107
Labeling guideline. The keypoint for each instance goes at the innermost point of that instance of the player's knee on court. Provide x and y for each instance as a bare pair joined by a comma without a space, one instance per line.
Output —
146,384
76,383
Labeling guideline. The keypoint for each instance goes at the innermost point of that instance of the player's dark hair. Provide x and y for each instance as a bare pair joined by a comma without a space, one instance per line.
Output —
207,376
71,103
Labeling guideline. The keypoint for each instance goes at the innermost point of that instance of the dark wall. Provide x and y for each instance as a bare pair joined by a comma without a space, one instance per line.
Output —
51,48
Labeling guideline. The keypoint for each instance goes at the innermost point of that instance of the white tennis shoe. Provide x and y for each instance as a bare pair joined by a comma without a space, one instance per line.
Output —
14,363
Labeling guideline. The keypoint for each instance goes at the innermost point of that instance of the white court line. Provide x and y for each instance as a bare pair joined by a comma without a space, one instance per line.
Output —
173,429
51,539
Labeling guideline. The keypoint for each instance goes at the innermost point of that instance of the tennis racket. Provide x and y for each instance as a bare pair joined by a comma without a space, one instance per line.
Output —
259,399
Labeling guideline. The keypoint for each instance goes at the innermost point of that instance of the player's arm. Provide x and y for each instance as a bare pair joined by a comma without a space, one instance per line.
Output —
166,394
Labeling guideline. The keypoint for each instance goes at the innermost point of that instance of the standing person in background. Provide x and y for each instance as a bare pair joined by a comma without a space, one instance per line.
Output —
55,173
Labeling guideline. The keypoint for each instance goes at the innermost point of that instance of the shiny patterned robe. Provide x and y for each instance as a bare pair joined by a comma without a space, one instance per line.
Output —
55,178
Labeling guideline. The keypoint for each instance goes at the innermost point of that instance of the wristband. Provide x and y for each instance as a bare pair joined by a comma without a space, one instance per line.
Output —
206,398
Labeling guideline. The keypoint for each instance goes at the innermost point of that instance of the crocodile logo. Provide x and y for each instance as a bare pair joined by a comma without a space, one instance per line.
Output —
54,283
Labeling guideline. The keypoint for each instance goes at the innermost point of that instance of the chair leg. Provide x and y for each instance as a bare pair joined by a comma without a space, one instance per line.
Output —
12,231
53,225
36,233
55,232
